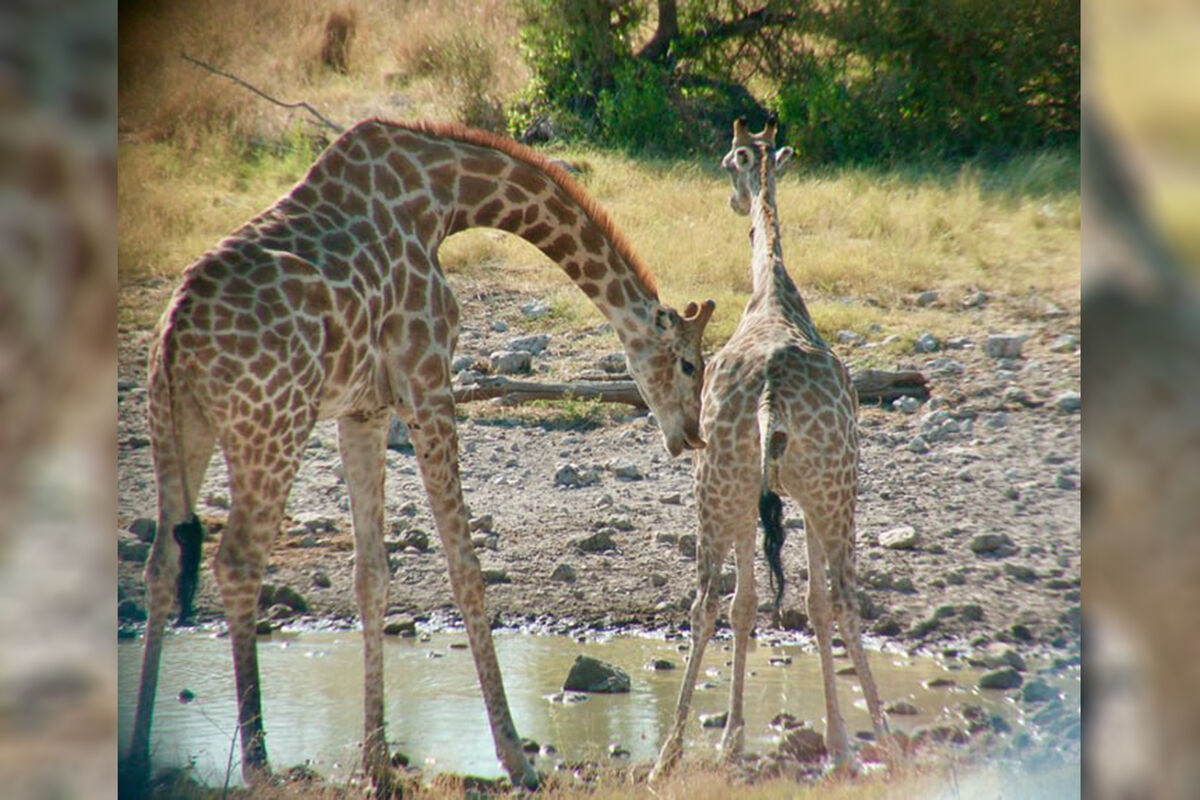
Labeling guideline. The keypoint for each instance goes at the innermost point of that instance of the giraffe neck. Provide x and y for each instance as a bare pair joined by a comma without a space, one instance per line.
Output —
772,289
453,178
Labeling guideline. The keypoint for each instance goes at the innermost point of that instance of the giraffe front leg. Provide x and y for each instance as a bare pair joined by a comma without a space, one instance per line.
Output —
361,440
704,621
436,445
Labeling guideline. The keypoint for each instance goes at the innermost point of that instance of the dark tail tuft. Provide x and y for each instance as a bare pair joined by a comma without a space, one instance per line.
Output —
190,536
770,511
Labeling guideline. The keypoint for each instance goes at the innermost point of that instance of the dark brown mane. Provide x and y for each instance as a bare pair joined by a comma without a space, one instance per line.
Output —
560,176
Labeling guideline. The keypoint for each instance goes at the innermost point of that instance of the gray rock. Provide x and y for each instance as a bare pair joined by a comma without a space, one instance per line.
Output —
624,469
131,548
143,528
926,343
563,572
672,499
414,538
567,698
687,545
1038,692
1063,481
321,579
483,522
494,576
658,580
589,674
407,509
661,664
290,598
1004,345
926,299
849,337
510,362
397,435
919,444
1015,395
714,720
403,625
971,612
992,544
906,404
1066,343
903,537
461,364
612,362
1003,678
902,708
1020,572
499,326
975,299
793,619
1068,402
535,310
598,542
572,476
534,344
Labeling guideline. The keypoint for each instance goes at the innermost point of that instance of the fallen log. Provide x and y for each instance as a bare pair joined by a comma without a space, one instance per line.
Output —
872,385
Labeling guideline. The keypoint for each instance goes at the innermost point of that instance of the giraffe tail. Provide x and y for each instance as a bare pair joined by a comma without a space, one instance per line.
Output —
189,533
770,506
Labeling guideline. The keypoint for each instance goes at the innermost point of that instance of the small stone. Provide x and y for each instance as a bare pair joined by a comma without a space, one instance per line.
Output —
461,364
494,576
617,751
1063,481
510,362
1015,395
535,310
1003,678
499,326
672,499
903,537
849,337
567,698
926,299
624,469
902,708
658,580
926,343
572,476
1038,692
407,509
404,625
483,522
598,542
534,344
129,611
661,664
971,612
612,362
415,538
668,539
793,619
1068,402
1066,343
919,444
130,548
290,598
975,299
714,720
1020,572
564,573
143,528
906,404
687,545
1004,345
887,627
321,579
992,543
397,435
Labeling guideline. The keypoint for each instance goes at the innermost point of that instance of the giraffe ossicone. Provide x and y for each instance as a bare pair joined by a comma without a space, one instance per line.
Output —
331,304
779,416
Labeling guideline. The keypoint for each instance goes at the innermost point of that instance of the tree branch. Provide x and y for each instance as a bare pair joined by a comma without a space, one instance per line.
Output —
325,122
714,31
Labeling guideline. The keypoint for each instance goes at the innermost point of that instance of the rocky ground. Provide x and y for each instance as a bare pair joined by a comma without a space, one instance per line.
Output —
968,528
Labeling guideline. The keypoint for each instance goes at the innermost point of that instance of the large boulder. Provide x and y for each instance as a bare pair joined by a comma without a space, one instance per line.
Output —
593,675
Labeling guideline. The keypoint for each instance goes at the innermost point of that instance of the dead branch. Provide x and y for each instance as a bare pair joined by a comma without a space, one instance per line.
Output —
325,122
872,385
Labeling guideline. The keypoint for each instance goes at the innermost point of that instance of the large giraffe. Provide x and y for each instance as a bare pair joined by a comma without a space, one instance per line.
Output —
331,303
779,415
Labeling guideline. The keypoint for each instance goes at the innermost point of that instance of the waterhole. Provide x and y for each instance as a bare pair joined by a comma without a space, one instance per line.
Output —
312,698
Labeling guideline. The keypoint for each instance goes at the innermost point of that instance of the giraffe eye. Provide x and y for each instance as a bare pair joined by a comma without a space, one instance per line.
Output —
688,367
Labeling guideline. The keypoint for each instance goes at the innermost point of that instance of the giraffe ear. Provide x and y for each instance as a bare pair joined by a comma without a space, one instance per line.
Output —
782,156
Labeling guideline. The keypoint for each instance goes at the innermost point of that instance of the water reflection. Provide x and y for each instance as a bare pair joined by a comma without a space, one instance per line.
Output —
312,687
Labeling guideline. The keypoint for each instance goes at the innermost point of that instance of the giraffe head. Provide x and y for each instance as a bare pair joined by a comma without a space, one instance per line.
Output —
668,367
749,159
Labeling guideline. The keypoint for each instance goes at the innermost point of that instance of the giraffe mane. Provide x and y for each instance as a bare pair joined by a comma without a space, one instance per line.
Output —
557,174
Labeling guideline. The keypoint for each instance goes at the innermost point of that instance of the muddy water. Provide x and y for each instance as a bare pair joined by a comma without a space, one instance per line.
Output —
312,698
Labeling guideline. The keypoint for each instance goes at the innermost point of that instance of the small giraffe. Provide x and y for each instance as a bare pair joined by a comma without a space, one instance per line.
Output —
331,303
779,416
